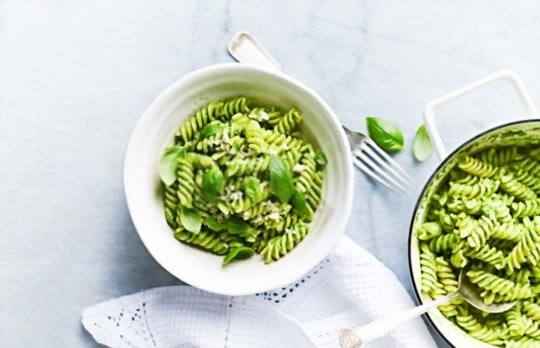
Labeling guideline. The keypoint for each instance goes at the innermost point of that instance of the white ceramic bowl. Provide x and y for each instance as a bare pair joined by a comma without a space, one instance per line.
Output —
155,130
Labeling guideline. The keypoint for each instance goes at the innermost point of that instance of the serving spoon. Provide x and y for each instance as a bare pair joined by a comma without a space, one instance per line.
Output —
356,337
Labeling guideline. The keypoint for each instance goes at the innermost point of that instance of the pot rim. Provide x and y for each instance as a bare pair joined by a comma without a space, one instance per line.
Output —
454,153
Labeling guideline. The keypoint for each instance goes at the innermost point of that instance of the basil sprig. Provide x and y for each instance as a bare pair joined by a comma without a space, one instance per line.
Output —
210,129
253,189
298,200
385,133
191,219
236,225
212,183
168,163
422,146
238,253
281,179
213,224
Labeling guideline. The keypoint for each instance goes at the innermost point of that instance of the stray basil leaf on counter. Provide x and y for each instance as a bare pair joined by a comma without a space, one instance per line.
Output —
385,133
168,164
191,219
281,179
212,183
422,146
238,253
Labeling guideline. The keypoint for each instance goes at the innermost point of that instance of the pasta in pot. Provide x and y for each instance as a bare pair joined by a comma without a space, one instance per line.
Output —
243,180
488,214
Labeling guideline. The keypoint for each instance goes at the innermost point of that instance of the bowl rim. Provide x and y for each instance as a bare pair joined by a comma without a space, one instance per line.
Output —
419,199
345,204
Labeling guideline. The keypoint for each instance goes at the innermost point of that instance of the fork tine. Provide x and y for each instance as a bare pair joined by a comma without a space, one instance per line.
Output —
373,161
366,169
389,162
363,161
382,166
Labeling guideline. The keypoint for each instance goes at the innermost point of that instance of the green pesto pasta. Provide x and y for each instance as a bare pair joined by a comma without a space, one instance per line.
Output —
242,180
487,214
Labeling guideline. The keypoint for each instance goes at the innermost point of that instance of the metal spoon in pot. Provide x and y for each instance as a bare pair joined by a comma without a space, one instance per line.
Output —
356,337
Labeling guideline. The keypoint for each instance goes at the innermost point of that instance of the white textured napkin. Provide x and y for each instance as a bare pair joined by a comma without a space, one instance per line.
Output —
348,288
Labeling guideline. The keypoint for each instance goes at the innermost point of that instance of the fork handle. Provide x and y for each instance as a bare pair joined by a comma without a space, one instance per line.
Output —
358,336
507,75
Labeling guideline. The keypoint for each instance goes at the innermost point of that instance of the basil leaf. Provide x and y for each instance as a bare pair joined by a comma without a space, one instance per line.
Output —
168,164
385,133
422,146
211,129
238,253
191,219
213,224
200,161
237,226
212,183
252,187
320,159
281,179
299,203
223,208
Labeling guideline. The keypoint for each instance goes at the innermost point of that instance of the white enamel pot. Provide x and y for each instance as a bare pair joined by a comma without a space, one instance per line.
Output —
524,132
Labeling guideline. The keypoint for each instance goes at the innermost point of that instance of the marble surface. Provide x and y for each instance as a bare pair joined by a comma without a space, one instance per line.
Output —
76,75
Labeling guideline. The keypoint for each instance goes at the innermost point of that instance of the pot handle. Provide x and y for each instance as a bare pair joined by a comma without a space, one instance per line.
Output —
246,49
507,75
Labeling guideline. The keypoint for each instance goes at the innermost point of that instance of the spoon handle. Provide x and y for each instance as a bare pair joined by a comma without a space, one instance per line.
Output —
246,49
357,336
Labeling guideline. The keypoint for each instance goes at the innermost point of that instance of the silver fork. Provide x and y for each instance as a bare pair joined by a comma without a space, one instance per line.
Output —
367,156
376,163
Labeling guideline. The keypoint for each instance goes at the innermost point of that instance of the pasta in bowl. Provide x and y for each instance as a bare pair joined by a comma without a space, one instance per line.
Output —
235,162
241,179
482,207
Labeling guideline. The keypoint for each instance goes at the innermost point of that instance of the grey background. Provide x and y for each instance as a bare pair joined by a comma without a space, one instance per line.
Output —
76,75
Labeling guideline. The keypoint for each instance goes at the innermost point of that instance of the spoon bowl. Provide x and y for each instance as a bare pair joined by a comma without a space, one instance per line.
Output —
471,293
